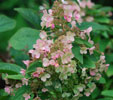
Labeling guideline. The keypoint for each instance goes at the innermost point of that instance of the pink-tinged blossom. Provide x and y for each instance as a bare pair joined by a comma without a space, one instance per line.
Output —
47,19
35,53
53,26
64,2
18,85
66,58
91,50
90,41
26,62
26,96
8,89
98,76
92,72
43,35
69,10
110,13
45,77
83,50
42,47
107,65
77,16
52,62
82,3
44,90
56,54
88,31
89,4
56,64
70,36
23,71
38,72
73,23
45,62
87,94
24,81
102,58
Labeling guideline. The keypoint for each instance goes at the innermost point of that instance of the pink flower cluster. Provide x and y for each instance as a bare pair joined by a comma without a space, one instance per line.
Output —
85,3
47,19
72,11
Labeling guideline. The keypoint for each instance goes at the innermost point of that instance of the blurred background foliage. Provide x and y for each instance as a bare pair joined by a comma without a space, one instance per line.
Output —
21,18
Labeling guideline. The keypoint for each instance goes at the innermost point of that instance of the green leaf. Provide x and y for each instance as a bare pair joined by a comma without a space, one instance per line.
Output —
88,62
81,41
102,19
30,15
15,77
95,93
102,80
107,93
24,38
33,66
95,26
76,52
110,70
106,9
9,68
4,97
103,44
105,99
19,59
6,23
19,93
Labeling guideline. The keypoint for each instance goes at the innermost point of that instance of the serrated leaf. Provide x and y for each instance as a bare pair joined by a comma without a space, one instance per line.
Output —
9,68
24,38
76,52
6,23
30,15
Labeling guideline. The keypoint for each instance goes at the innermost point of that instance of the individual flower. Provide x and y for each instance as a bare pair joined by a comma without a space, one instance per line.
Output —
26,62
91,50
102,58
8,89
45,62
26,96
43,35
70,36
83,50
38,72
45,77
66,58
18,85
24,81
23,72
44,90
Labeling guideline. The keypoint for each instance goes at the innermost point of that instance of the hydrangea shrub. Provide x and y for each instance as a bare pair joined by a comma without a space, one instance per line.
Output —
64,63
